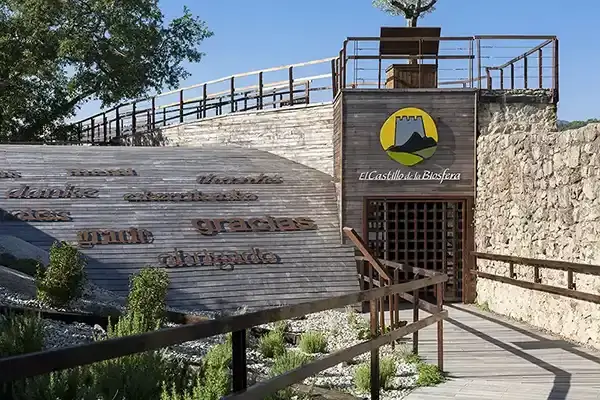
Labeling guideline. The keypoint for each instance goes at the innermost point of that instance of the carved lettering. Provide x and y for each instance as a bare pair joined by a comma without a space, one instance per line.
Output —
222,260
68,192
262,179
211,226
90,237
28,215
234,195
102,172
10,174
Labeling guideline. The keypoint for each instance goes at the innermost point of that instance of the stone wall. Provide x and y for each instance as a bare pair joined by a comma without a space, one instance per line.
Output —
302,134
538,197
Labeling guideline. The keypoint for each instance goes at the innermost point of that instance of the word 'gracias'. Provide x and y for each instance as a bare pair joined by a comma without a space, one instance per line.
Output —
211,227
203,258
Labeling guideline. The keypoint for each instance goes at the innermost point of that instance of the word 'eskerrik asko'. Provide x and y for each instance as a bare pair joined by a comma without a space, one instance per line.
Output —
102,172
10,174
68,192
195,195
28,215
262,179
204,258
213,226
91,237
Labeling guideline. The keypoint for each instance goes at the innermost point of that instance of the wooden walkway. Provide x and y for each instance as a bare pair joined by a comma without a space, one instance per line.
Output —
489,357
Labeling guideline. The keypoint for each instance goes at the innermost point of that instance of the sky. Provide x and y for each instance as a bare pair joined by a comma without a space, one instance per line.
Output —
253,35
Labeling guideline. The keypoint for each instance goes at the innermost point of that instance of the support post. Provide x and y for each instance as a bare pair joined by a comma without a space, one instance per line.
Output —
240,370
374,353
440,326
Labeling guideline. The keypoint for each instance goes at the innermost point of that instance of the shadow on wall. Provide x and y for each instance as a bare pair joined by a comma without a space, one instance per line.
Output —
42,240
446,146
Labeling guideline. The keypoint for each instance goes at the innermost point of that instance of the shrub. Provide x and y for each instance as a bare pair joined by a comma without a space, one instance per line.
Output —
21,334
286,362
313,342
148,294
429,375
362,374
64,278
359,324
272,344
281,326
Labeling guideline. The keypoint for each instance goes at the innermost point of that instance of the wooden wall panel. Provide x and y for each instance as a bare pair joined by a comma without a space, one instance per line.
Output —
365,111
313,262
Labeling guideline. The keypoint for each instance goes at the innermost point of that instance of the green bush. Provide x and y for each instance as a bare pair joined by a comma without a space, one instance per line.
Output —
28,266
429,375
387,371
20,334
281,326
148,294
272,344
313,342
283,363
64,278
359,325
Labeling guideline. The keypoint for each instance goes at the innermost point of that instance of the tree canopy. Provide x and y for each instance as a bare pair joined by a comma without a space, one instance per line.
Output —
411,10
57,54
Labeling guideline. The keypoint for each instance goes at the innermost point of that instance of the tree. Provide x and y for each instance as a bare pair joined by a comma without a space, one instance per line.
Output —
57,54
411,10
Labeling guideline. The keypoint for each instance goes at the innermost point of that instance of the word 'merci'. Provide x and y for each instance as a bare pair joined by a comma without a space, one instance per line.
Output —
195,195
223,260
211,227
68,192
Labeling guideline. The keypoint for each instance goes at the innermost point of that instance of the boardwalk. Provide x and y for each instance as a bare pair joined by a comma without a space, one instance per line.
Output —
489,357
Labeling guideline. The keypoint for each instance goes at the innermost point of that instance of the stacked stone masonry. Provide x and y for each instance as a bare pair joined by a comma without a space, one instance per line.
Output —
301,133
538,196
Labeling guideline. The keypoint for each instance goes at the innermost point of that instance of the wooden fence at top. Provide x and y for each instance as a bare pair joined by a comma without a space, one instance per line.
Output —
33,364
474,58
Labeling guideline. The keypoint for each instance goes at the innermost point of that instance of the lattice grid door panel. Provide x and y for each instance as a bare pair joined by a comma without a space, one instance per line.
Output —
424,234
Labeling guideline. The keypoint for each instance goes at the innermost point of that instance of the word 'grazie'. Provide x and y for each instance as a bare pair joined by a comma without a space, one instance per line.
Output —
234,195
89,238
262,179
213,226
219,259
68,192
28,215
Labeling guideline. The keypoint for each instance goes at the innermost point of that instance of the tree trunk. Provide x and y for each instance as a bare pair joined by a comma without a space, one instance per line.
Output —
412,23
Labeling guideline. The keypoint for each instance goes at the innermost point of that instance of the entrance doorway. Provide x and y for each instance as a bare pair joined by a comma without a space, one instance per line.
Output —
427,234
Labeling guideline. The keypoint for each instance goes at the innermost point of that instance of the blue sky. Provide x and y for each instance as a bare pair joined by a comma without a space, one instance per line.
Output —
251,35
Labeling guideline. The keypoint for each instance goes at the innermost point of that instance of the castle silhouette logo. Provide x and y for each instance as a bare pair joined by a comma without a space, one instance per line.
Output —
409,136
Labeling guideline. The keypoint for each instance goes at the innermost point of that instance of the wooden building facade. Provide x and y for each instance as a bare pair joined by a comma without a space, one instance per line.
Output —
405,169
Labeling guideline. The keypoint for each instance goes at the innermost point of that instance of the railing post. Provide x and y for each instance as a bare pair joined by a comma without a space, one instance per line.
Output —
79,131
540,68
340,71
525,67
571,280
343,65
333,78
307,92
164,117
512,76
470,63
536,275
260,90
478,63
489,78
93,129
133,122
239,367
440,327
104,126
153,113
375,352
415,294
232,93
117,121
291,84
181,106
501,79
204,99
555,79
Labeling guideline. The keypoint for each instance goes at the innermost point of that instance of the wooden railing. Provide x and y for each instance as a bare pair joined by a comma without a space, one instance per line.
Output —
33,364
474,58
537,283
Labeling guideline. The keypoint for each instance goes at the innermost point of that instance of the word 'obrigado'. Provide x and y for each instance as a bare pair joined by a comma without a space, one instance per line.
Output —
261,179
10,174
213,226
91,237
28,215
68,192
410,176
195,195
223,260
102,172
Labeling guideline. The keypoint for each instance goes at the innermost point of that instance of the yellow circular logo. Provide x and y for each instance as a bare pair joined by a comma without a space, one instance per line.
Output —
409,136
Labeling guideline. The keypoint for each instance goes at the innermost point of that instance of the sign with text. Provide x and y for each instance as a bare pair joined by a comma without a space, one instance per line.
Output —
28,215
410,176
102,172
10,174
68,192
223,260
195,195
229,180
90,237
214,226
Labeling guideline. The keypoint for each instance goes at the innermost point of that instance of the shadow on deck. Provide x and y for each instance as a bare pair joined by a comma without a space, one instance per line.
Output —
490,357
